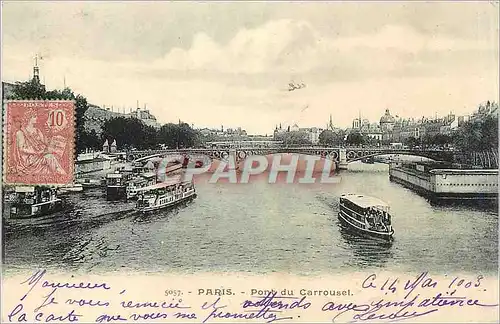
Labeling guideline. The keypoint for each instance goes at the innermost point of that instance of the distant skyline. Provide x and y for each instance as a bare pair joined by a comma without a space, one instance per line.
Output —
213,64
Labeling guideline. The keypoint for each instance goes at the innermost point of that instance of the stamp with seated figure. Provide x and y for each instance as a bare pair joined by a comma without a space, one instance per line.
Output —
39,142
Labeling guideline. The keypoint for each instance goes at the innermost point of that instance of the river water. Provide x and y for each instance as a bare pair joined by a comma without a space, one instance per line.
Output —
260,228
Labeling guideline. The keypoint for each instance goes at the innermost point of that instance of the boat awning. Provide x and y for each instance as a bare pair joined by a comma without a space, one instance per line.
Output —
365,201
114,175
148,175
25,189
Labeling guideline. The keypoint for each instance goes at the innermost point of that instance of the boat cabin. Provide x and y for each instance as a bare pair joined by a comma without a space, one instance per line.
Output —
28,201
116,184
115,179
141,181
164,194
366,213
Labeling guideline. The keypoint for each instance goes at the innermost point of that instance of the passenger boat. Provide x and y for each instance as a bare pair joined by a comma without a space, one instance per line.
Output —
366,215
116,185
164,194
76,187
90,183
30,201
174,166
140,181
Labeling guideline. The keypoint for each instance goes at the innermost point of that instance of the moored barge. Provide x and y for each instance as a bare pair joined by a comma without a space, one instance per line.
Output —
443,181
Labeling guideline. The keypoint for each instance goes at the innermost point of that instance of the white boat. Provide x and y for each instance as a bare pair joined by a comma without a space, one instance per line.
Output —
90,183
366,215
116,185
29,201
173,166
164,194
141,181
76,187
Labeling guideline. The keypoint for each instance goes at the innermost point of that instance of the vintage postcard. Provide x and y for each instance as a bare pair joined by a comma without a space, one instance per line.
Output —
250,162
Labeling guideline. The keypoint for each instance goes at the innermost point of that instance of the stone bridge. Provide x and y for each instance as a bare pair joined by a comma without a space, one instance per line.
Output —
342,156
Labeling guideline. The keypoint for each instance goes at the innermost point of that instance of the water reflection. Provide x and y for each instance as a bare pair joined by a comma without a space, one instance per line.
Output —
489,206
157,215
366,251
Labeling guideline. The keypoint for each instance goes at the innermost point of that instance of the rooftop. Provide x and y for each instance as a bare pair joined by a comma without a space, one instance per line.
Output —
364,201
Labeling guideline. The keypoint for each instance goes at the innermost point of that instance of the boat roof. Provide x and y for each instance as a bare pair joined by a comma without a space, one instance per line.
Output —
114,175
25,189
148,174
160,185
364,201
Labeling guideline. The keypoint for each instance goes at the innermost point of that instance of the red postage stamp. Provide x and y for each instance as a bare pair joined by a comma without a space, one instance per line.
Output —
39,142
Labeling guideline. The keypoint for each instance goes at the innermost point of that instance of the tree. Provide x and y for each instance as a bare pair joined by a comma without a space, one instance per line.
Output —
129,133
477,135
441,139
150,138
331,138
326,138
411,142
29,90
91,140
294,138
178,136
355,138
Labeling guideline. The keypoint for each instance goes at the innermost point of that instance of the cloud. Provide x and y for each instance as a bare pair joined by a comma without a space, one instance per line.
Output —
295,46
241,80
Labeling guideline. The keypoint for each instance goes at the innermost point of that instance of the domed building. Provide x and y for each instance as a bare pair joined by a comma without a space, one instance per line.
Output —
387,121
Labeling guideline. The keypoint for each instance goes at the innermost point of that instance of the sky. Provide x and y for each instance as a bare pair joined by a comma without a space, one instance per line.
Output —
223,63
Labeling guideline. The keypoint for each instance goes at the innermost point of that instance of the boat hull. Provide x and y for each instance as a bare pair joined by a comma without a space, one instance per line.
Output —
18,211
346,221
447,185
149,209
116,193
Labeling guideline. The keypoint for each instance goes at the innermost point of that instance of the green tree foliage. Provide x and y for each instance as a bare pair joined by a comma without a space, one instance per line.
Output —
34,90
178,136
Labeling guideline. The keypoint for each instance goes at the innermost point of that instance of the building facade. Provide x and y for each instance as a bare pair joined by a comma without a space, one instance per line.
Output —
95,117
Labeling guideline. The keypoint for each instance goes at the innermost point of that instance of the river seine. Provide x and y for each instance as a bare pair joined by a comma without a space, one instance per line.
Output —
258,227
